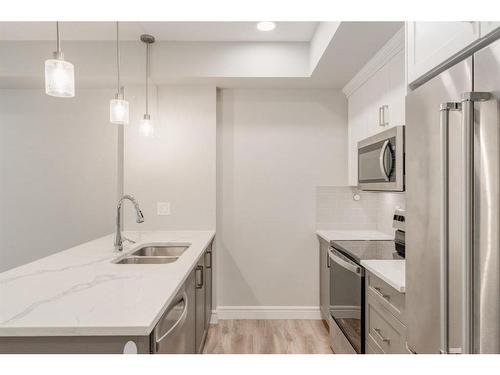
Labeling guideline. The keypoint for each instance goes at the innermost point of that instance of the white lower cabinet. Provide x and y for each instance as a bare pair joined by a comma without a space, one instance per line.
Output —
385,329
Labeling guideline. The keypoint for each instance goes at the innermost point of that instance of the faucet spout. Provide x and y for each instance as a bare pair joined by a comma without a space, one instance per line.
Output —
139,219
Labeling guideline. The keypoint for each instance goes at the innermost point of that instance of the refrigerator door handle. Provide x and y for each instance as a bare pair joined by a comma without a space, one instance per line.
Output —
444,123
468,100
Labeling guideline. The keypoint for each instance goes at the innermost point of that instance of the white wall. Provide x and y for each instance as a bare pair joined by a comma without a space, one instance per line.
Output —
171,62
274,147
177,164
58,163
388,202
337,210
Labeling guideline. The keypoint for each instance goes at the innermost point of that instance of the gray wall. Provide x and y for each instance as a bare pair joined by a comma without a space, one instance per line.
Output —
58,172
177,164
274,148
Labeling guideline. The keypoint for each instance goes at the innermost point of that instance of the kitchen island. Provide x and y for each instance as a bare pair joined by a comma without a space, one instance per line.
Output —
82,292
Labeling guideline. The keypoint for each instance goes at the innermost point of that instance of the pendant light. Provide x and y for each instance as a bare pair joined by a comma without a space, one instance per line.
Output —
59,74
118,107
146,126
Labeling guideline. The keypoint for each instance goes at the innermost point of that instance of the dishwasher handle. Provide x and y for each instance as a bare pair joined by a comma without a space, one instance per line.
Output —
179,322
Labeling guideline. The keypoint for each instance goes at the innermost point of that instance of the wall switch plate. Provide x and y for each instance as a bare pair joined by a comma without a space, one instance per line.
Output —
163,208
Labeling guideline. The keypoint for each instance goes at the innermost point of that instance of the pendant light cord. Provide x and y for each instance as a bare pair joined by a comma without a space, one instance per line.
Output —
58,38
118,59
147,78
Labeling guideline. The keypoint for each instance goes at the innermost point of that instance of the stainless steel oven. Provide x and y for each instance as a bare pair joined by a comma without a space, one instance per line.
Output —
381,161
347,297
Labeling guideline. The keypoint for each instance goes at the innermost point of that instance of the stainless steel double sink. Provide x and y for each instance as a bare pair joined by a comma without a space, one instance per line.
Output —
157,254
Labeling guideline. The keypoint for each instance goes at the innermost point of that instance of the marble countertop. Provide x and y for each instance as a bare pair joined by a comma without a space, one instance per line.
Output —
81,292
353,235
391,271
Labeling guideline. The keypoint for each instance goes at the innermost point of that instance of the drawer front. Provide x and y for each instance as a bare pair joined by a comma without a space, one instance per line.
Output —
383,328
372,347
393,300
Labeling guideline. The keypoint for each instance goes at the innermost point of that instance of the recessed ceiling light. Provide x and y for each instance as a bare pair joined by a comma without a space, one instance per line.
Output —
266,26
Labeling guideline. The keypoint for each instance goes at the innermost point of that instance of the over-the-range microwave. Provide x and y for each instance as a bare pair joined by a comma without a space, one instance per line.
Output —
381,164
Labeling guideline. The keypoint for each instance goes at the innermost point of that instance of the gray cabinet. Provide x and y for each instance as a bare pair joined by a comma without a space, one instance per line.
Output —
208,286
200,303
324,279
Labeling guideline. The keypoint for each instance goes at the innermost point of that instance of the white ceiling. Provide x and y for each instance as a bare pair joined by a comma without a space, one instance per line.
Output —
352,46
163,31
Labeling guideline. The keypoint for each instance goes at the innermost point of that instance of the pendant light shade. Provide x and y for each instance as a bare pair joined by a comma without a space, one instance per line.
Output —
59,74
146,127
118,107
118,111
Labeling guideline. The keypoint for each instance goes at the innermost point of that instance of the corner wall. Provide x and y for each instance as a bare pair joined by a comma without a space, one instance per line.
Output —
274,146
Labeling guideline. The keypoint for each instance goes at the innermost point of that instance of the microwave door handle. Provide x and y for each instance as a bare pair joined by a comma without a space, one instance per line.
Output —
381,160
344,264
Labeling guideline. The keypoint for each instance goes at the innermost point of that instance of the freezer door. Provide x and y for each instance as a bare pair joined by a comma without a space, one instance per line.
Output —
486,330
424,232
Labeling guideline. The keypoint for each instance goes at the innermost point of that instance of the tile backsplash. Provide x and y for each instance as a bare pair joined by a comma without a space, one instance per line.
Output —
336,208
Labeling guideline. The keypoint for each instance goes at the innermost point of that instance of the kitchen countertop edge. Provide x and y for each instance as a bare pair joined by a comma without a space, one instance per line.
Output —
390,271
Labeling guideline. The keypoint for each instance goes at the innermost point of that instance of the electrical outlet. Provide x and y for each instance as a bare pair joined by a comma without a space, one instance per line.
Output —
163,208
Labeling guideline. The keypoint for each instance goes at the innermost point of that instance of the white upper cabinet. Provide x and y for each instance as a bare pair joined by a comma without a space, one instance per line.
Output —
357,117
397,90
429,44
488,27
376,99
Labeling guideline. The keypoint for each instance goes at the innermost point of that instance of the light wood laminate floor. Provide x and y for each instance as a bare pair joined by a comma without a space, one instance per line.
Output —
267,337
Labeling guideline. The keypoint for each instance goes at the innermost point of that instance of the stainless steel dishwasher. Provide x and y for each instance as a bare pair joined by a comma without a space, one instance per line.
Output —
175,332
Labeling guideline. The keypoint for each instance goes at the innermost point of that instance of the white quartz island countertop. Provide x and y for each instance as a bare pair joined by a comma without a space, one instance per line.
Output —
353,235
81,292
391,271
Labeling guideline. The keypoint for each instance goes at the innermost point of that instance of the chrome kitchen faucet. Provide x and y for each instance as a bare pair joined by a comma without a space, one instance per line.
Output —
140,219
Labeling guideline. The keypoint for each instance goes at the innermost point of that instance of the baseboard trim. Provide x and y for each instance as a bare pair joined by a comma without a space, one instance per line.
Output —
346,312
267,312
214,318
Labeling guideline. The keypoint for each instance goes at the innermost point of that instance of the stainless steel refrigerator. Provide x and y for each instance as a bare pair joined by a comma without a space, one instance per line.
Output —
453,219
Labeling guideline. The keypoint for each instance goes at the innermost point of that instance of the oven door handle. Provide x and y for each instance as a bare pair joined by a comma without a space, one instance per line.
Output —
338,259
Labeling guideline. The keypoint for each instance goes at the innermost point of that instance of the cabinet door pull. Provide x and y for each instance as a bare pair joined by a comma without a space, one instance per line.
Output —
380,120
379,334
385,120
199,269
379,290
209,255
